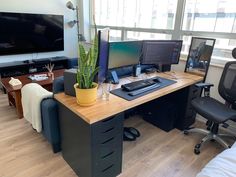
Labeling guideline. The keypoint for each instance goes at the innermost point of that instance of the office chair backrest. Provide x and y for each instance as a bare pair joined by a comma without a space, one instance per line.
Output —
227,85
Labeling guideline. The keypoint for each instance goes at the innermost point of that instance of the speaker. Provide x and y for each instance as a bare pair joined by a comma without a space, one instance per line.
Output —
69,81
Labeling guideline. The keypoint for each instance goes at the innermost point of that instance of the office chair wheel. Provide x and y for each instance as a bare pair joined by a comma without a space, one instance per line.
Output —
197,146
196,151
186,132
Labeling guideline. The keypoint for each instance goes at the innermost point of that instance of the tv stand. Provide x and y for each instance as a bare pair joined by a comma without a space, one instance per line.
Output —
19,68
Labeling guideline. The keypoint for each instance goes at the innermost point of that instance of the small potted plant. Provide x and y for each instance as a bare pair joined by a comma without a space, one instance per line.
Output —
86,88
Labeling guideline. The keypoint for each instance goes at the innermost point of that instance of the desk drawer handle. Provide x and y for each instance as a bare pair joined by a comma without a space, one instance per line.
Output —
107,120
108,140
107,168
110,153
110,129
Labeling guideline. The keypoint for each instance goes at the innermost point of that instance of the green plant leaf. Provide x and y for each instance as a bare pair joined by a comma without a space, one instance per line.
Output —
87,62
82,54
95,71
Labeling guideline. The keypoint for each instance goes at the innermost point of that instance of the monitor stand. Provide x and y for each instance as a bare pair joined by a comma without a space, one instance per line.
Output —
115,79
164,68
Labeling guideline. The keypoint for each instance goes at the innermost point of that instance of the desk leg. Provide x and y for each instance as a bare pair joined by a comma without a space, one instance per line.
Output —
9,98
19,109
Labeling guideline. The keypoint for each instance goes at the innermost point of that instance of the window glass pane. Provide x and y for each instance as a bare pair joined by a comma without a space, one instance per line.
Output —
209,15
222,49
136,13
132,35
115,35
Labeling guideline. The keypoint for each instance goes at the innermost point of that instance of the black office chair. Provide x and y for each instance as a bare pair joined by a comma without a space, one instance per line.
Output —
214,111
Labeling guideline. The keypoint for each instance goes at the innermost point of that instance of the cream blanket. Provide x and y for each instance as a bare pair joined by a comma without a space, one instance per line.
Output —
32,95
223,165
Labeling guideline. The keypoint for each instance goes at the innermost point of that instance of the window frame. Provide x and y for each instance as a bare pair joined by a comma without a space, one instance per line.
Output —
176,33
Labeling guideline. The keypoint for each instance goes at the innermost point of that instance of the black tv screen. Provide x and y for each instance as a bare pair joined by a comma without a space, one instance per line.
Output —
22,33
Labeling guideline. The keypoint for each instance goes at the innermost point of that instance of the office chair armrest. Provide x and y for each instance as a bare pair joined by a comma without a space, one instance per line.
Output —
206,87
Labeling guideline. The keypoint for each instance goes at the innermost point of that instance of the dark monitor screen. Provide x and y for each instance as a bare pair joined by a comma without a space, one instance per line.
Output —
161,52
124,53
27,33
103,50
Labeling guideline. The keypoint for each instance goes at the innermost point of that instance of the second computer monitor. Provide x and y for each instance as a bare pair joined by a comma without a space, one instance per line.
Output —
161,52
124,53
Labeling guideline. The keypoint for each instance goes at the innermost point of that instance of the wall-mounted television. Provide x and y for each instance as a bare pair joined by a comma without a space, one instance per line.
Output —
22,33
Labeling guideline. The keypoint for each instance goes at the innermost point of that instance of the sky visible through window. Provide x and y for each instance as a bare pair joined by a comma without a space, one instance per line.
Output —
216,16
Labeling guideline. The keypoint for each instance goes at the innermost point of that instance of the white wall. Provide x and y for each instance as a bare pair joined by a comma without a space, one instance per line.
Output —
57,7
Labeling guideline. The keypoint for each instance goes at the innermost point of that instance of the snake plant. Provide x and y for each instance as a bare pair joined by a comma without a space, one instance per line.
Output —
87,65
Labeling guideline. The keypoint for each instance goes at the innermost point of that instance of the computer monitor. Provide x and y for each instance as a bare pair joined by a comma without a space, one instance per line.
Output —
161,52
124,53
103,51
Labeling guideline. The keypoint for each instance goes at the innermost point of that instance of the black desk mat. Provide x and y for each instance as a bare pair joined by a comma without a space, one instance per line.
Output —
124,94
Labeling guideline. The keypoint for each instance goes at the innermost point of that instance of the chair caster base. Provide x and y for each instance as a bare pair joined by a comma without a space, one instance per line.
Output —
197,146
186,132
197,151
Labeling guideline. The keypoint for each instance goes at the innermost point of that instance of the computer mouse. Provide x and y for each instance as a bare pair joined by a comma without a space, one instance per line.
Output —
157,79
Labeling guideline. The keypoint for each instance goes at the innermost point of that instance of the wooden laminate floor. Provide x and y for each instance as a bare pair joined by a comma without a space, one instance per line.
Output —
25,153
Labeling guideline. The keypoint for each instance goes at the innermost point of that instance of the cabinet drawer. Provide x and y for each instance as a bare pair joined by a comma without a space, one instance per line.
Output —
108,124
111,171
110,163
107,160
107,147
104,138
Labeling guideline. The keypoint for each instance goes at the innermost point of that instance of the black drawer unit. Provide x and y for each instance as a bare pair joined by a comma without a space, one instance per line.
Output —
107,138
92,150
173,110
186,113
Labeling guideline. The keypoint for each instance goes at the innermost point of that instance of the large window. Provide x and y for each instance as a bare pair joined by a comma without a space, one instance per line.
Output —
171,19
157,14
217,18
208,15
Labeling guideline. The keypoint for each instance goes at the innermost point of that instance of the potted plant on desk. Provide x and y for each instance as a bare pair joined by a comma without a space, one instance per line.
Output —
85,88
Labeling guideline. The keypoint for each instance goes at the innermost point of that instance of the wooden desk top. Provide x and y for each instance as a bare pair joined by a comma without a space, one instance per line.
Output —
103,109
25,80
